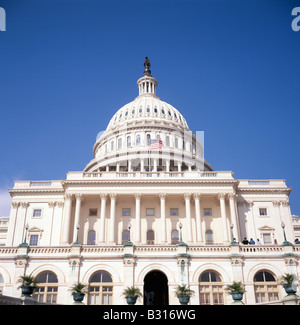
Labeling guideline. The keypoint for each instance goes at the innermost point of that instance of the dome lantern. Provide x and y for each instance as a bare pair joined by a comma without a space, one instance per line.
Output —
147,84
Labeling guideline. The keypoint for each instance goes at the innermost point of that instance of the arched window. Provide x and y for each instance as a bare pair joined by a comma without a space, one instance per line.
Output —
174,237
265,287
150,237
209,237
129,141
47,288
148,139
138,140
176,142
91,237
211,289
167,141
119,143
100,289
125,236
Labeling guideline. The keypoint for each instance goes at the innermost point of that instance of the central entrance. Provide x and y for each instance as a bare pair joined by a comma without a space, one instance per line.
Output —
156,291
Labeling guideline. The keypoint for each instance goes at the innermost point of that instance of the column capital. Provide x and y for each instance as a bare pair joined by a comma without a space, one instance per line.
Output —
68,196
103,196
113,196
162,196
276,203
15,205
187,196
197,195
78,196
221,196
24,205
60,204
51,204
231,196
285,203
137,196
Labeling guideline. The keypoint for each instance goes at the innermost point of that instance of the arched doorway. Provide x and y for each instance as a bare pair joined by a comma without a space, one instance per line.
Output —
156,291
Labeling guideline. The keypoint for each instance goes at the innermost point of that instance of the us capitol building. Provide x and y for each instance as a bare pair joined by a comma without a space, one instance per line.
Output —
149,211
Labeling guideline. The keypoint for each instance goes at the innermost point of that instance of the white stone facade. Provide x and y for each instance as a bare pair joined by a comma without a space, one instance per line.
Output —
153,191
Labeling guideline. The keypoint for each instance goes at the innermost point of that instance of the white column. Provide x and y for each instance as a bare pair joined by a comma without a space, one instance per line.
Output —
12,223
138,217
78,197
67,218
51,205
167,165
232,205
142,164
162,197
155,164
179,166
187,197
112,218
198,218
221,197
102,218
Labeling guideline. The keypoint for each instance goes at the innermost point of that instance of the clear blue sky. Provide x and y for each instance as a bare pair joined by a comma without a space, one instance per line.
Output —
232,68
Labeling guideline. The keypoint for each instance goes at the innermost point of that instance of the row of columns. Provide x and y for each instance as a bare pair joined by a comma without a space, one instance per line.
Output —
162,197
154,163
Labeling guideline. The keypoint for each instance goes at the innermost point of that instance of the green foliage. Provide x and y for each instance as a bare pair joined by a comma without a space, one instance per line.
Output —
79,288
27,280
184,291
132,292
287,278
235,287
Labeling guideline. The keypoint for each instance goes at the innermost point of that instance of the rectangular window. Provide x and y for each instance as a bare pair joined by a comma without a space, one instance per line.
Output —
267,239
150,212
263,212
92,212
37,213
174,212
33,240
207,212
126,212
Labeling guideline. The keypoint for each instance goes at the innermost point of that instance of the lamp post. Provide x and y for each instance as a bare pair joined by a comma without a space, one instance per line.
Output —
181,243
285,243
76,243
128,243
24,244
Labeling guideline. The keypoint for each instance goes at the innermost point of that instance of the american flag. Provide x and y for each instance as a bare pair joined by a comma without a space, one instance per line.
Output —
156,144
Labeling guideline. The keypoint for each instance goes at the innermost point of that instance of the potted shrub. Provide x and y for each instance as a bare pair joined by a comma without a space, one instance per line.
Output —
287,281
28,284
132,294
236,290
78,291
184,293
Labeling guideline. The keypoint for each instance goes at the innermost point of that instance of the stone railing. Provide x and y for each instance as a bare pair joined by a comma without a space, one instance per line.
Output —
107,250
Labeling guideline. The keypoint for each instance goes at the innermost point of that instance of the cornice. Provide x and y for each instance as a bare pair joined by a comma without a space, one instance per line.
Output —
12,192
274,190
148,181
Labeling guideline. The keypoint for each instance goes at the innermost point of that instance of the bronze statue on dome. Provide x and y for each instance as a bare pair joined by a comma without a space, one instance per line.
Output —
147,65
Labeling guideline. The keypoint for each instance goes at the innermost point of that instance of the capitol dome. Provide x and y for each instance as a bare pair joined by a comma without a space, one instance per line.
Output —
147,135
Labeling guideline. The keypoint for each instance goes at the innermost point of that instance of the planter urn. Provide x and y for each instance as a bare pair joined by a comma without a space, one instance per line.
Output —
27,290
78,297
131,300
237,297
184,300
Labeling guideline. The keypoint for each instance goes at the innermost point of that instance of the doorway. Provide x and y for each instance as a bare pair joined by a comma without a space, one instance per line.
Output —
156,290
